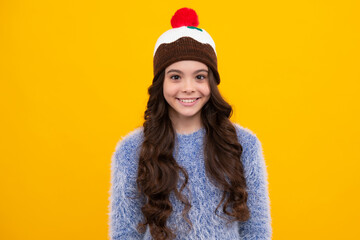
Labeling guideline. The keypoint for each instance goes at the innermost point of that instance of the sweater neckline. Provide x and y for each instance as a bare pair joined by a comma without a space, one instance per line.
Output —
194,135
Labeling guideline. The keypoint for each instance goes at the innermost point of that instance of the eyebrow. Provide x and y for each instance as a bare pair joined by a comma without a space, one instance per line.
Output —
175,70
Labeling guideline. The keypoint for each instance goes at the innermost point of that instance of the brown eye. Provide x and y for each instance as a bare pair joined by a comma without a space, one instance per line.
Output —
203,77
174,76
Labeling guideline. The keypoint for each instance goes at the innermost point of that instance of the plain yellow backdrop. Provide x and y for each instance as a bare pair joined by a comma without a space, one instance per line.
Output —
74,78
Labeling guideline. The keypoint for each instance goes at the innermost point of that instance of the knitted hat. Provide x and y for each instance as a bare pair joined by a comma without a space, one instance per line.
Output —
185,41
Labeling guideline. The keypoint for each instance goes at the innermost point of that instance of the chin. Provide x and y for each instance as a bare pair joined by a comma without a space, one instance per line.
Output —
188,115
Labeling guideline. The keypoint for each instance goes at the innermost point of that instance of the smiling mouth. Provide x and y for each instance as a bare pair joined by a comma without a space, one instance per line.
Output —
188,100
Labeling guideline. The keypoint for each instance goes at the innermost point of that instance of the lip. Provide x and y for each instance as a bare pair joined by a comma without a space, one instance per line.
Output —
188,104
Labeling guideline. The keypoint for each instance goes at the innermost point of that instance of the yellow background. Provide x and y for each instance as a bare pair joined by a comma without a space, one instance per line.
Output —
74,78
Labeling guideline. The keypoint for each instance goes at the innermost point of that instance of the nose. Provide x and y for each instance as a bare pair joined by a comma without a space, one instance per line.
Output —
188,85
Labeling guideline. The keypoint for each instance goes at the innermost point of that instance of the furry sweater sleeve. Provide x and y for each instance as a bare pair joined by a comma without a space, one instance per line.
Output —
125,208
259,224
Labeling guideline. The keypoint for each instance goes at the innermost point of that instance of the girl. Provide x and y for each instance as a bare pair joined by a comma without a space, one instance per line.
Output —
188,172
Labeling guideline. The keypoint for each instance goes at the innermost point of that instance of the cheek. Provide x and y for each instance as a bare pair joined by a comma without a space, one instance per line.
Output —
169,90
205,90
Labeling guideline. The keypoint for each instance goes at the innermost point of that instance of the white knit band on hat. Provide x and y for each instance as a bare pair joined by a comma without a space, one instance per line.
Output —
174,34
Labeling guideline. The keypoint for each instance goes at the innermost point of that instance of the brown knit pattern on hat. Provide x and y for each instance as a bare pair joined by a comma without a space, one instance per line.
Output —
185,48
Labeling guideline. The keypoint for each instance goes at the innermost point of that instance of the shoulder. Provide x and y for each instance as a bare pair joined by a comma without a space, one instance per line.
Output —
127,148
252,147
246,136
130,141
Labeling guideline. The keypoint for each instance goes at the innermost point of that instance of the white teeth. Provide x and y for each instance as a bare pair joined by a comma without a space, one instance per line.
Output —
188,100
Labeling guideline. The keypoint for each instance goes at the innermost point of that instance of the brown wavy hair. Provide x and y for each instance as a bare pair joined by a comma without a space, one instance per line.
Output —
158,171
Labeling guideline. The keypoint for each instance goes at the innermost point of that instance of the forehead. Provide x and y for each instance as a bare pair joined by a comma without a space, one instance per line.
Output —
188,65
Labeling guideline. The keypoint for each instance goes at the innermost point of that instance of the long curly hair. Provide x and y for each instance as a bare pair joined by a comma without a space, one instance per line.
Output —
158,171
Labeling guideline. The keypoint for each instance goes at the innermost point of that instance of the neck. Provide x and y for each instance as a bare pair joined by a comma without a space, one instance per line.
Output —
186,125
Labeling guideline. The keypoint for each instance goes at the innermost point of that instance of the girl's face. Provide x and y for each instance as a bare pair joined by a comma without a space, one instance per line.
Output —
186,88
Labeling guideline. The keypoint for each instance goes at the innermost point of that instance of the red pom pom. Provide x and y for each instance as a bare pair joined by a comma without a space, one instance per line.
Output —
184,17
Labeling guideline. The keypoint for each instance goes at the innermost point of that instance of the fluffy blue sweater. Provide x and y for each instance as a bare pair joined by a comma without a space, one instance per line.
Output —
125,213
